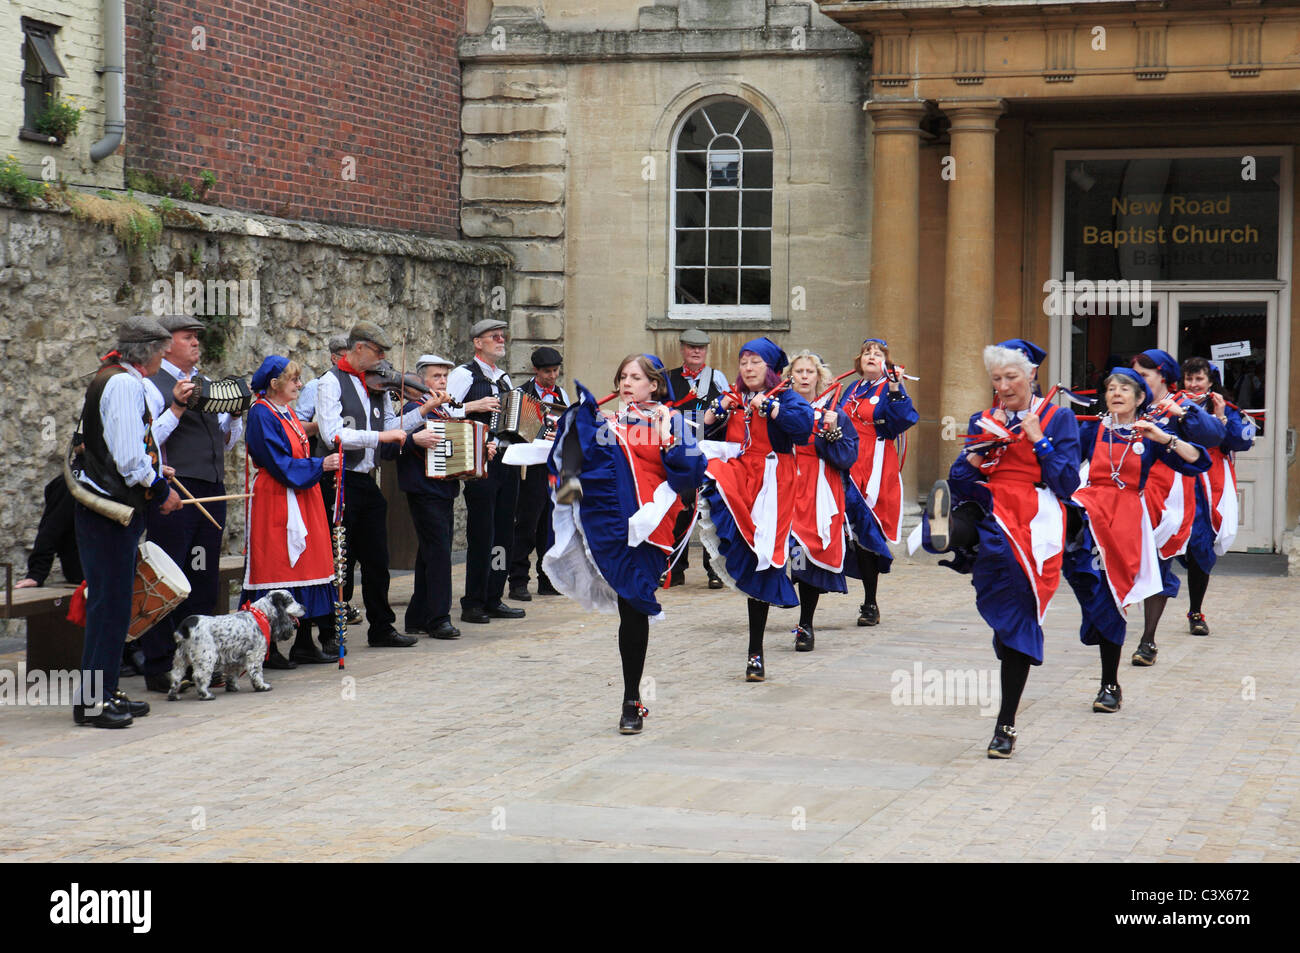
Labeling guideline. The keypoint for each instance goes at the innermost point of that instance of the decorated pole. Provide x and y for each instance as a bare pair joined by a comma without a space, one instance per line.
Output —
340,558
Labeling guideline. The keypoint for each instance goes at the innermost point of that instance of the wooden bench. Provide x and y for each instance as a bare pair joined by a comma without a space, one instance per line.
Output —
54,643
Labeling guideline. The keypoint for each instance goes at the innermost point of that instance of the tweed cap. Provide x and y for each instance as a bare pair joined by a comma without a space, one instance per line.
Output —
139,328
369,331
695,337
181,322
433,360
486,325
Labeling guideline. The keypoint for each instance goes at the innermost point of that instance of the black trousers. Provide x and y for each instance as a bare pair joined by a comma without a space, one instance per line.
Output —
55,536
532,526
431,597
365,521
108,555
195,545
679,530
489,532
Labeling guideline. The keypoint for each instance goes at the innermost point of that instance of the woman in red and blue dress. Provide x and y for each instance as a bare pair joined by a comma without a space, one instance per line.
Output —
747,502
818,537
622,475
289,544
880,411
1215,525
1171,497
1002,515
1112,561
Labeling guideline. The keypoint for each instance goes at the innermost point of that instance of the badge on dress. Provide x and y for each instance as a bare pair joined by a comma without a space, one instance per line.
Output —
875,399
1139,448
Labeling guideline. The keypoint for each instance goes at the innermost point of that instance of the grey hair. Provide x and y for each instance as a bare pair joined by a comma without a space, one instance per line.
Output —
997,357
823,372
140,352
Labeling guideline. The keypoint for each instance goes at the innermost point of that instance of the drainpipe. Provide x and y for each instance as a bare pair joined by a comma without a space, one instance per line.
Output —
114,81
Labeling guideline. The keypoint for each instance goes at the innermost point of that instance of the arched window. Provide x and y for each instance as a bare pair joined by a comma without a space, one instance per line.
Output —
721,249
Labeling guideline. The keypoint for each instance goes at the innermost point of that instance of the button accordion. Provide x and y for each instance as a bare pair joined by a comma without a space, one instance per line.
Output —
461,450
522,417
230,395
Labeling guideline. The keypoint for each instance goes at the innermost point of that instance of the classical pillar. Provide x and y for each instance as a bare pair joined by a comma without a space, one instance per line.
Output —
895,237
968,281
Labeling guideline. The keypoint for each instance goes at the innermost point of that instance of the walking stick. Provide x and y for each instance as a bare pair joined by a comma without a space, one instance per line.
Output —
340,558
199,503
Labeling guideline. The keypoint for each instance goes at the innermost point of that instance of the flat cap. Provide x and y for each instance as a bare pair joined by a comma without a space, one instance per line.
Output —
338,343
369,331
694,337
181,322
139,328
486,325
433,360
546,357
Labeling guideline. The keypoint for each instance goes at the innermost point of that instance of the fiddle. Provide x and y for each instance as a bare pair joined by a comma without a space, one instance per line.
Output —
384,378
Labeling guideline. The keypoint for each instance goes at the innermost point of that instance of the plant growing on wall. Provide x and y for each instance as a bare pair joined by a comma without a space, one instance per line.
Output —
14,182
60,119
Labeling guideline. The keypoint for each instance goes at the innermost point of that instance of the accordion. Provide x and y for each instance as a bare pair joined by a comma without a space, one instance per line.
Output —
461,451
231,395
522,418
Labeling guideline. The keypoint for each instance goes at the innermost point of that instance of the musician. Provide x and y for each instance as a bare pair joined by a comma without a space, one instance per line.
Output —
289,543
345,409
1111,563
122,464
55,536
1001,512
613,541
879,408
305,408
747,502
430,502
533,511
704,384
1215,525
490,502
1170,497
194,443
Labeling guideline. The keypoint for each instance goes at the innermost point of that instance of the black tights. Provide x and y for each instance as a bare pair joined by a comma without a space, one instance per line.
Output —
1198,580
1110,653
808,596
869,570
633,639
1015,672
757,623
1152,608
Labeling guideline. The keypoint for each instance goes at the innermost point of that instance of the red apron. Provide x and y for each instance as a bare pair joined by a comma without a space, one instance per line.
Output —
756,487
818,522
876,472
658,504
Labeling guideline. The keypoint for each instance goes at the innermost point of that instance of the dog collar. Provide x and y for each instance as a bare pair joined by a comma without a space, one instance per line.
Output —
262,621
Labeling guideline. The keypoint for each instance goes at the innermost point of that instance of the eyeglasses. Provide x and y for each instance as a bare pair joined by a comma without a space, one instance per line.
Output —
495,337
379,351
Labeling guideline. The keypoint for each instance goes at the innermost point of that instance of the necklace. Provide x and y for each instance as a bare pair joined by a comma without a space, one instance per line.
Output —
1125,433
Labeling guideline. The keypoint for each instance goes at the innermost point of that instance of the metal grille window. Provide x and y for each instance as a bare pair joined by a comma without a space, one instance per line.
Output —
722,213
40,67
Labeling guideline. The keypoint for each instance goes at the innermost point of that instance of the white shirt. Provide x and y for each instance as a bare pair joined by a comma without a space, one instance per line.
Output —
305,406
700,382
329,415
460,379
121,410
165,422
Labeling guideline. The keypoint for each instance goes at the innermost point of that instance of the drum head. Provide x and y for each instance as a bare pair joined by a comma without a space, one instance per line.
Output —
165,567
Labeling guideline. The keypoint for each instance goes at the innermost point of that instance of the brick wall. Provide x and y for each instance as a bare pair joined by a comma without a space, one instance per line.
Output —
287,89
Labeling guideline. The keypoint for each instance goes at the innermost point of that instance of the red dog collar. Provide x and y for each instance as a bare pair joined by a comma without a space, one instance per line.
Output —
263,623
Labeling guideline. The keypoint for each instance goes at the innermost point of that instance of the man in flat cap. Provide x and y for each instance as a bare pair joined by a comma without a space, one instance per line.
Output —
533,512
120,464
305,405
705,384
490,502
362,421
194,443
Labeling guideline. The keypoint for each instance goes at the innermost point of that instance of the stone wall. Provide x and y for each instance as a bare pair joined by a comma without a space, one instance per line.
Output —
62,282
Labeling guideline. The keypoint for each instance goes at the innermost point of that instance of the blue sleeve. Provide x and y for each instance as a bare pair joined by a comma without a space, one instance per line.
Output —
269,447
1240,435
795,418
895,414
842,453
684,463
1196,426
1060,466
961,475
1087,437
1161,452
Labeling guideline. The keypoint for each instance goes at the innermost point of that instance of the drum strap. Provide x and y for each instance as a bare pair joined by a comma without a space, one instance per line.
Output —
262,621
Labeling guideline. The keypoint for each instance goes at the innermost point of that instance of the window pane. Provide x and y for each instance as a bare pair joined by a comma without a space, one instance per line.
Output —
756,248
722,286
726,115
723,246
756,286
758,170
724,207
690,170
690,247
724,169
695,133
690,209
753,134
756,209
1202,326
690,286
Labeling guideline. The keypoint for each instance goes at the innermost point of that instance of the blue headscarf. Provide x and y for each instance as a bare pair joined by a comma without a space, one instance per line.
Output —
1166,364
1133,375
658,365
769,351
881,341
1029,349
271,368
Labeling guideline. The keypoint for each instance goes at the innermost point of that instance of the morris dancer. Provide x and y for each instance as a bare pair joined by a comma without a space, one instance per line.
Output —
1171,497
289,543
817,535
614,538
881,412
747,504
1215,525
1113,562
1002,514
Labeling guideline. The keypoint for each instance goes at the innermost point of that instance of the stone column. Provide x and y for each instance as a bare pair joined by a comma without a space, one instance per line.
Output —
968,283
895,240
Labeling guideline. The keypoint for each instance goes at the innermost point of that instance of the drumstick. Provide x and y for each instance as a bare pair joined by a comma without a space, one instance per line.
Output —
191,499
214,499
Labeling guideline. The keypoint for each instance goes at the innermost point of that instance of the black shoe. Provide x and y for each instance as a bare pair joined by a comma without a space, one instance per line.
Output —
754,671
803,638
445,630
570,491
277,661
218,680
330,647
1145,654
544,588
415,630
135,709
938,508
714,582
128,669
1004,739
353,615
163,683
1108,699
114,714
309,655
631,721
868,614
678,578
1196,624
392,639
479,616
520,594
503,611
